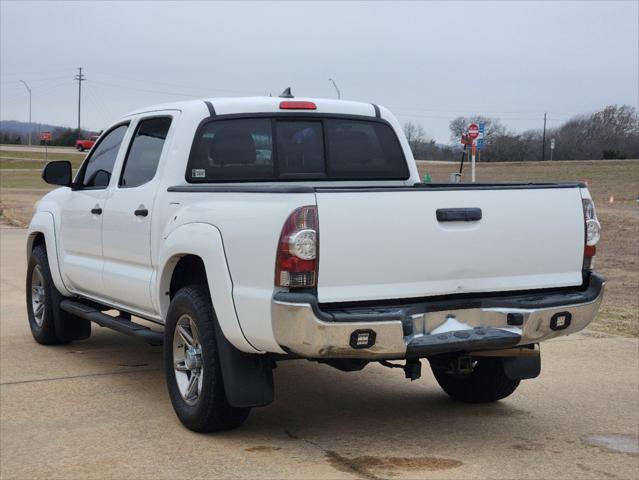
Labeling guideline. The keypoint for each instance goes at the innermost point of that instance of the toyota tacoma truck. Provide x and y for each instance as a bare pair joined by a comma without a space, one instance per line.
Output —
242,232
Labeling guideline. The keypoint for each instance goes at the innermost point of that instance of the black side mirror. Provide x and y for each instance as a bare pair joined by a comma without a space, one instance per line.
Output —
58,173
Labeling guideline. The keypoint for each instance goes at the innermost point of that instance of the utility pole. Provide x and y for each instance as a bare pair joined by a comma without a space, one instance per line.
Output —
543,141
80,78
30,127
339,94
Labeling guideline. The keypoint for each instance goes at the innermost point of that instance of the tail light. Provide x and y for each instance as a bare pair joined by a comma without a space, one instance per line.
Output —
296,263
592,233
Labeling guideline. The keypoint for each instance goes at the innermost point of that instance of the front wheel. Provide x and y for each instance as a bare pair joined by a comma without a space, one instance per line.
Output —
486,383
49,324
192,365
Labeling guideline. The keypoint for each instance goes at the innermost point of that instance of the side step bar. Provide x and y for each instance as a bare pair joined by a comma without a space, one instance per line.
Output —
116,323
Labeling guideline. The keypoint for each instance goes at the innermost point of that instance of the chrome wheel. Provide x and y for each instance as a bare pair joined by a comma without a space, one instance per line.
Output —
187,359
38,295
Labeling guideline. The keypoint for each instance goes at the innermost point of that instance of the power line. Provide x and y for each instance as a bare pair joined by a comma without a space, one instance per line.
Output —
187,87
145,90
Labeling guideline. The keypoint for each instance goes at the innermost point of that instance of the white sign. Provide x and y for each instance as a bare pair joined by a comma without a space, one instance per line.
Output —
552,144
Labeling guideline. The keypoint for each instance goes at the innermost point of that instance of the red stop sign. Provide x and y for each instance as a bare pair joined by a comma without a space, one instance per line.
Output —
473,131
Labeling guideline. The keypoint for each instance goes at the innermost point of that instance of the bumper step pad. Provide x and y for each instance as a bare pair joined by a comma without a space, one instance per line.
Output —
481,338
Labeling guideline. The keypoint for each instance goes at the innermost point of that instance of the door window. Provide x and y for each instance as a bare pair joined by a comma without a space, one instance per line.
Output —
144,154
97,169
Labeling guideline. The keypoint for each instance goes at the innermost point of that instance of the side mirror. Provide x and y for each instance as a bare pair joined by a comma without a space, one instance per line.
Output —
58,173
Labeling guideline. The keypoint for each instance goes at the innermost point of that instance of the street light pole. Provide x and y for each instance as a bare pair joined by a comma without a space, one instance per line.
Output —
29,90
339,94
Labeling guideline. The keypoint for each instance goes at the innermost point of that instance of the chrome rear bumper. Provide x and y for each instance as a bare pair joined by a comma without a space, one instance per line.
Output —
431,327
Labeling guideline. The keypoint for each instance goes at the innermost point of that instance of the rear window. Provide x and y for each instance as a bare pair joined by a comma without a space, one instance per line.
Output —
280,149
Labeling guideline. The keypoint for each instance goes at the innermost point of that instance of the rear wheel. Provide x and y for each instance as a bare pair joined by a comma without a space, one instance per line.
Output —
487,382
49,324
192,365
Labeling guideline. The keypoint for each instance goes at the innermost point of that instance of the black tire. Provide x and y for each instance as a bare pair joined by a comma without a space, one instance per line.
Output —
211,411
55,326
487,383
80,148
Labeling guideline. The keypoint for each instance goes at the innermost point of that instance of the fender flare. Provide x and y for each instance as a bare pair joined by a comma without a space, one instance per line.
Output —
205,241
44,223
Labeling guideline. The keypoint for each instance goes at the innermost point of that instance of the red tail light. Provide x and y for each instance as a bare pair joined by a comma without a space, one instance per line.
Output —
591,235
297,105
297,250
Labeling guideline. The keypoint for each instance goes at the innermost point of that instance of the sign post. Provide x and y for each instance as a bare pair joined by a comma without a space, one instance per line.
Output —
473,133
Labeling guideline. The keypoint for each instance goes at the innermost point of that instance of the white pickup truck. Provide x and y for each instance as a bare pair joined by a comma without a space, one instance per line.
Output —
256,230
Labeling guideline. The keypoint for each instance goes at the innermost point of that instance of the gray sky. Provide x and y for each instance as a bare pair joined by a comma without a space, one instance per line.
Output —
426,61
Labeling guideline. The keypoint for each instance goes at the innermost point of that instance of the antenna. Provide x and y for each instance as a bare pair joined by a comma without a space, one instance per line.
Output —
339,94
287,93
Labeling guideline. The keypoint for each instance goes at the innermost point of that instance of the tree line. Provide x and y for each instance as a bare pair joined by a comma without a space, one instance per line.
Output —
610,133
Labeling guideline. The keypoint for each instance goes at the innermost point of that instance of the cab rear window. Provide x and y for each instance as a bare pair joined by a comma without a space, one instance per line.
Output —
288,148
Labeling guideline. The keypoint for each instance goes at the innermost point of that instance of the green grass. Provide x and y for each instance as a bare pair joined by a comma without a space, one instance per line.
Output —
6,163
22,180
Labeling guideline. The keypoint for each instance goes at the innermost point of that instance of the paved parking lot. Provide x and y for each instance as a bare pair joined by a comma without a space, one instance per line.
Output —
99,409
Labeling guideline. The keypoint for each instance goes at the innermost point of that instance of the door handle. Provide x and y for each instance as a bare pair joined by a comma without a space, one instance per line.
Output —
141,212
458,214
96,211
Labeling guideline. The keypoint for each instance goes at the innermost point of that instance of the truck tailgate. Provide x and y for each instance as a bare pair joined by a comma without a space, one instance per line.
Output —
388,243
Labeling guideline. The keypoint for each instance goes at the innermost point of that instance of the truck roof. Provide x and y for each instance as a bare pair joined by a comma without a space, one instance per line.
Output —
238,105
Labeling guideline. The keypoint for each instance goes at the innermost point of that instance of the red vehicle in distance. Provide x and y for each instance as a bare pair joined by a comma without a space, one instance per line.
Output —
86,144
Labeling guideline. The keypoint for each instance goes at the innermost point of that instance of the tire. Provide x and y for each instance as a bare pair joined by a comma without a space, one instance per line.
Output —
80,148
487,383
196,364
49,324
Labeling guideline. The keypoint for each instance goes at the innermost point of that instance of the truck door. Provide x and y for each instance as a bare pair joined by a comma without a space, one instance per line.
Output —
82,215
126,229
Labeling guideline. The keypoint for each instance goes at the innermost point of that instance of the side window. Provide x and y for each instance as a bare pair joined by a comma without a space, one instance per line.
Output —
99,166
144,154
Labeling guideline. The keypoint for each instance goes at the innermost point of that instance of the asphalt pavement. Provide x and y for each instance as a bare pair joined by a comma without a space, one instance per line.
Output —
99,409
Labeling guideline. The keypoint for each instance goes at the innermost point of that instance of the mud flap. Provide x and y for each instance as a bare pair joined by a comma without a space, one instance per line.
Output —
521,368
248,378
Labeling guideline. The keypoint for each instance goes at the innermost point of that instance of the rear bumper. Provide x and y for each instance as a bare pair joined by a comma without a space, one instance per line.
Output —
433,326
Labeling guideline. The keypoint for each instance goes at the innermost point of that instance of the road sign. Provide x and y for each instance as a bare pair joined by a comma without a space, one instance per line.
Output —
45,136
466,140
480,143
552,143
481,130
473,131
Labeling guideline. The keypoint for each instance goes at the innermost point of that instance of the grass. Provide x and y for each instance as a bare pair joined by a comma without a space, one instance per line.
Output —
617,252
15,159
18,154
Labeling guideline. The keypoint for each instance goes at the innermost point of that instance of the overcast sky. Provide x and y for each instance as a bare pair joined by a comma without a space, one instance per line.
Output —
426,61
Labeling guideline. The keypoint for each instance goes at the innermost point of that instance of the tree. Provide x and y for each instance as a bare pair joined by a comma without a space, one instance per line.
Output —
415,135
422,147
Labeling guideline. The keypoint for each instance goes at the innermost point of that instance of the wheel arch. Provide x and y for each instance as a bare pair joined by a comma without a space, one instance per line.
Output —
194,253
42,232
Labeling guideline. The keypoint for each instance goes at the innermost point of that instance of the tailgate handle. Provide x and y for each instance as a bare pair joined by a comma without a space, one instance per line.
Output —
458,214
